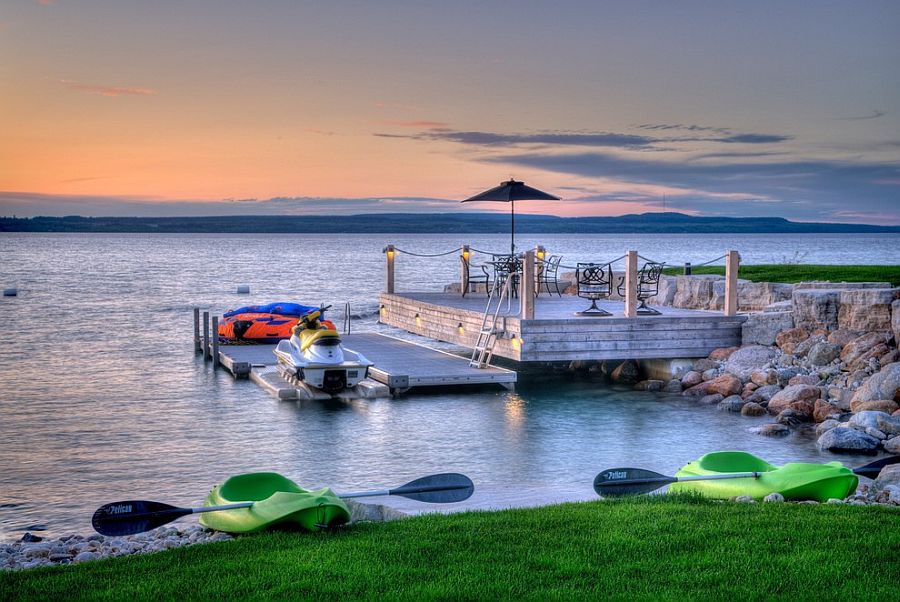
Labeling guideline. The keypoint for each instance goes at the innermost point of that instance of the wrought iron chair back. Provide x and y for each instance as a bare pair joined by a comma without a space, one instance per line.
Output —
594,281
507,266
647,286
546,275
483,278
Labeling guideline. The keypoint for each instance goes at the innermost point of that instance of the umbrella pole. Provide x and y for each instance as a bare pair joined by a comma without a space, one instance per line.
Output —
512,227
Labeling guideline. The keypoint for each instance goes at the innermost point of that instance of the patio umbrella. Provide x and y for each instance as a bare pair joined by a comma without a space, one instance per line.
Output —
510,192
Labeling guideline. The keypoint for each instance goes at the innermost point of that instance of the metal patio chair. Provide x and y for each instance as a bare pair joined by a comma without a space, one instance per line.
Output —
475,278
546,274
647,286
507,267
594,281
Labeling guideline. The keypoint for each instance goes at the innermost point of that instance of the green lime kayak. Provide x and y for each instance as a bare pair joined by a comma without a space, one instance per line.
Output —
279,502
795,481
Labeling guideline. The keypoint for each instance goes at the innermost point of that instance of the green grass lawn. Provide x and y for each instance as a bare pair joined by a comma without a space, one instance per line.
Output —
804,273
664,547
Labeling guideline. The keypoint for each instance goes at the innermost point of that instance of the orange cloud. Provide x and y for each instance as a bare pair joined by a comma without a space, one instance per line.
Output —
107,90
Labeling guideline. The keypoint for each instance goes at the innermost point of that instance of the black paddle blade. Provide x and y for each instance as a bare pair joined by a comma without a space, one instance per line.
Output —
629,481
438,488
871,470
134,516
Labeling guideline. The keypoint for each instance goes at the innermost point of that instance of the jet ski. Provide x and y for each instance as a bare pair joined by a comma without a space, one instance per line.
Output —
314,355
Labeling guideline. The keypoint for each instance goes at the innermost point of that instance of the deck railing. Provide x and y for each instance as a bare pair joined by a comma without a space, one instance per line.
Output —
532,257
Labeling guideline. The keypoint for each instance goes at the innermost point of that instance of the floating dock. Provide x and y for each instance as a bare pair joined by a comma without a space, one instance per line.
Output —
557,334
399,366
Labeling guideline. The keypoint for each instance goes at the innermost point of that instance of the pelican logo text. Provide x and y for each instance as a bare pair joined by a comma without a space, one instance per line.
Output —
120,509
614,475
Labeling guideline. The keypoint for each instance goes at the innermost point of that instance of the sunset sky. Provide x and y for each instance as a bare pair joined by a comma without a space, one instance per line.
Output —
189,107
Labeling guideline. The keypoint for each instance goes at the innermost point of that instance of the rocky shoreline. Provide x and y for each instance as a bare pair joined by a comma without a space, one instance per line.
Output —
33,551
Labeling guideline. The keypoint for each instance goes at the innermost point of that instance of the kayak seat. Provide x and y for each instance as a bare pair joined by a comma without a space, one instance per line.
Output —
733,461
257,486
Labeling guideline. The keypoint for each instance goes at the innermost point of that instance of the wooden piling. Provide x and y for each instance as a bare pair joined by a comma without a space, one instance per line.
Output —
526,287
631,284
389,274
732,265
206,335
197,348
215,341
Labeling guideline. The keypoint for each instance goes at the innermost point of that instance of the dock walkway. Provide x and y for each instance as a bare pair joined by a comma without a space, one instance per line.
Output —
399,365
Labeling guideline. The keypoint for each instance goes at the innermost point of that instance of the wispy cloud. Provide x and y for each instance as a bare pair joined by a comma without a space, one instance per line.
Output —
806,189
681,127
421,123
586,139
875,115
107,90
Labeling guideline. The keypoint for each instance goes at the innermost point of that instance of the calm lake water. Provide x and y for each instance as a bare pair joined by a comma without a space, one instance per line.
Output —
101,397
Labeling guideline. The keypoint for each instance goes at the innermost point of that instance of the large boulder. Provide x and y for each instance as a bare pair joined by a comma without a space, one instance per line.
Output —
725,385
866,419
889,476
892,445
792,394
823,410
816,308
890,426
842,336
885,384
861,345
732,403
895,321
867,310
803,348
668,285
762,328
691,379
757,296
823,353
771,430
788,339
694,292
767,392
722,353
847,440
876,405
752,408
745,360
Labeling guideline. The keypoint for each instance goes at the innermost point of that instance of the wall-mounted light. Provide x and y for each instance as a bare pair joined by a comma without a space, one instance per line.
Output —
516,342
541,253
460,329
418,320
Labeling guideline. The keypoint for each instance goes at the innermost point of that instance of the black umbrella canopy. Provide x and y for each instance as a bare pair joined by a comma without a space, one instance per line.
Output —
510,192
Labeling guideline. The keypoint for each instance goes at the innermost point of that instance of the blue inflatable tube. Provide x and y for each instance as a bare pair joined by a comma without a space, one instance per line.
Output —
293,310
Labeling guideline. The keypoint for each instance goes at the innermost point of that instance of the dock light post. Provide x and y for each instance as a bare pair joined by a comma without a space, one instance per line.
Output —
464,269
389,276
631,284
732,265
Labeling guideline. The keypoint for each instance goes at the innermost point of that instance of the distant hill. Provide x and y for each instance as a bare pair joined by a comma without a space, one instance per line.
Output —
420,223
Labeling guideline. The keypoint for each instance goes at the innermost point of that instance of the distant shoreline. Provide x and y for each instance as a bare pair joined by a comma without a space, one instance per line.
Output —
437,223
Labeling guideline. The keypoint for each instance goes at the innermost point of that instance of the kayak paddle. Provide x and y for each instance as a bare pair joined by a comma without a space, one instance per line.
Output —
635,481
136,516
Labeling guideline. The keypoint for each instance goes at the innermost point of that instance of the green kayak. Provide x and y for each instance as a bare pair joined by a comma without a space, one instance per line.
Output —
279,502
795,481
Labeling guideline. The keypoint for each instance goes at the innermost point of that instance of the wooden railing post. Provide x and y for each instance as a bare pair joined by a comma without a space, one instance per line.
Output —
464,268
389,275
631,284
526,287
732,265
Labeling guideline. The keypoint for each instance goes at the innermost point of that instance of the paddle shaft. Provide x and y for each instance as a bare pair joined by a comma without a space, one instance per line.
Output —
399,491
709,477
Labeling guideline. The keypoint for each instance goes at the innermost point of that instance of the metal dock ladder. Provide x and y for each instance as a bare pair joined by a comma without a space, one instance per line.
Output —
487,336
